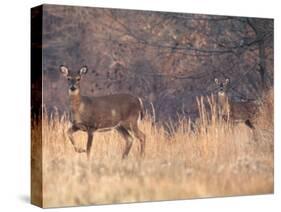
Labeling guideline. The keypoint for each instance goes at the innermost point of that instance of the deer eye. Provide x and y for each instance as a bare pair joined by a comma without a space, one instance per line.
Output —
78,79
68,78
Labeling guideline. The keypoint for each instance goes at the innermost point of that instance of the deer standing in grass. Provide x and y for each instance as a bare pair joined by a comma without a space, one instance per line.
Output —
243,111
92,114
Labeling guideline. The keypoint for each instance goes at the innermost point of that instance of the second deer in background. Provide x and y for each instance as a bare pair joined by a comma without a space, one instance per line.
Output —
242,111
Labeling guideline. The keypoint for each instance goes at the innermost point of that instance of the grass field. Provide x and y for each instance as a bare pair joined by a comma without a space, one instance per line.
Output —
206,158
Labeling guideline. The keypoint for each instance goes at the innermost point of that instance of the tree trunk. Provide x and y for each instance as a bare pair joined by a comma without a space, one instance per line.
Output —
262,64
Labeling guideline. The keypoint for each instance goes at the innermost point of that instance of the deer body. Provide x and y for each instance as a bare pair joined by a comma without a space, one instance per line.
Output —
235,111
91,114
105,112
242,111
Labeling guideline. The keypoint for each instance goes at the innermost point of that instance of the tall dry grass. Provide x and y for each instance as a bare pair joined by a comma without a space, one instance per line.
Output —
206,158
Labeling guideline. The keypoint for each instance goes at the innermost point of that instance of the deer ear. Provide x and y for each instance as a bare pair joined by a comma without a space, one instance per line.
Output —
216,81
227,80
83,70
64,70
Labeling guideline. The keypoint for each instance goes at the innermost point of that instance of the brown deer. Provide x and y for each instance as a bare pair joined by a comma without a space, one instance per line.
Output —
242,111
92,114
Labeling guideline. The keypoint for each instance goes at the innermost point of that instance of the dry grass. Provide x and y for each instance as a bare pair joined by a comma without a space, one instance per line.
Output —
207,158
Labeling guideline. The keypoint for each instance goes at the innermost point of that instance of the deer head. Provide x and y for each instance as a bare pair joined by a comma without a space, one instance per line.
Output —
73,78
222,86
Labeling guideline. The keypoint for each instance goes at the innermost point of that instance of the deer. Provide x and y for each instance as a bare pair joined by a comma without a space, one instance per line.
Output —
234,111
90,114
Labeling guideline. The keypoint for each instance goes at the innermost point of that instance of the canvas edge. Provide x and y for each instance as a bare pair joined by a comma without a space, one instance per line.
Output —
36,190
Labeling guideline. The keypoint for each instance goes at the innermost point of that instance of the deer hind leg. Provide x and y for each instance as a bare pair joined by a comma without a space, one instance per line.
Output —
70,133
128,138
249,124
141,137
253,130
89,143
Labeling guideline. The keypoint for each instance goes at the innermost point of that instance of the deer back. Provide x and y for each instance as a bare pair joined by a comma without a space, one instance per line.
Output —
242,110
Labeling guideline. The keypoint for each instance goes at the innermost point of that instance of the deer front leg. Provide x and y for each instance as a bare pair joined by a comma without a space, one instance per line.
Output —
89,143
70,132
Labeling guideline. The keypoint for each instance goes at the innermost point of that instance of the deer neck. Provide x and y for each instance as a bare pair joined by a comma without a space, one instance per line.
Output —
222,97
75,100
223,101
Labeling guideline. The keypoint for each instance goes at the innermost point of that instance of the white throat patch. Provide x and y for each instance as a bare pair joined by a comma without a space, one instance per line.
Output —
73,93
221,93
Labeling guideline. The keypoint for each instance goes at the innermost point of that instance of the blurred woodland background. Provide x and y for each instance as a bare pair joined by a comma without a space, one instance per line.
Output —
165,58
